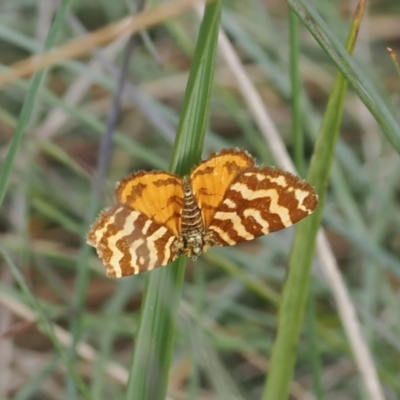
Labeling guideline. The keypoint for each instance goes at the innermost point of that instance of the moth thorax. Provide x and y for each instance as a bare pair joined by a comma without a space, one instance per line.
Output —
192,228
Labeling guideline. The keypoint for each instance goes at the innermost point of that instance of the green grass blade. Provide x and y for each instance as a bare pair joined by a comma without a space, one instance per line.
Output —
296,288
30,102
295,78
155,337
351,70
193,122
300,163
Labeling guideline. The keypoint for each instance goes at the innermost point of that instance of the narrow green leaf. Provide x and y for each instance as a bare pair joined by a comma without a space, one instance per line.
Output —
154,341
298,134
295,292
300,163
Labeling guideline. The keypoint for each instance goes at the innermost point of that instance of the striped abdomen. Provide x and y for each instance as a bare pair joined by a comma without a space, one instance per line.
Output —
192,228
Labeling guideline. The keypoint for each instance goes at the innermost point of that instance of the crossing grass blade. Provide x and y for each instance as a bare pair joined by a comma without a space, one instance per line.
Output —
354,73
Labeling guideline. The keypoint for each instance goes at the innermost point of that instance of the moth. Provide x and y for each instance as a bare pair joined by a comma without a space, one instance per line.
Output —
225,200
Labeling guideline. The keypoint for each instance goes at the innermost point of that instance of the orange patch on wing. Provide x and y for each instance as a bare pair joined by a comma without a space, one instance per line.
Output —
212,177
158,195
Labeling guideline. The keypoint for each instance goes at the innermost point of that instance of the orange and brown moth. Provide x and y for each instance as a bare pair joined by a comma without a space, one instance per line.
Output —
225,200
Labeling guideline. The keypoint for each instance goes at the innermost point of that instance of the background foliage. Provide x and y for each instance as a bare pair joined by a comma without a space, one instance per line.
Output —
54,295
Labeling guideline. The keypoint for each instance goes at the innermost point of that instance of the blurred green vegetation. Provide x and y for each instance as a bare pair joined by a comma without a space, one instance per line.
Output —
227,316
